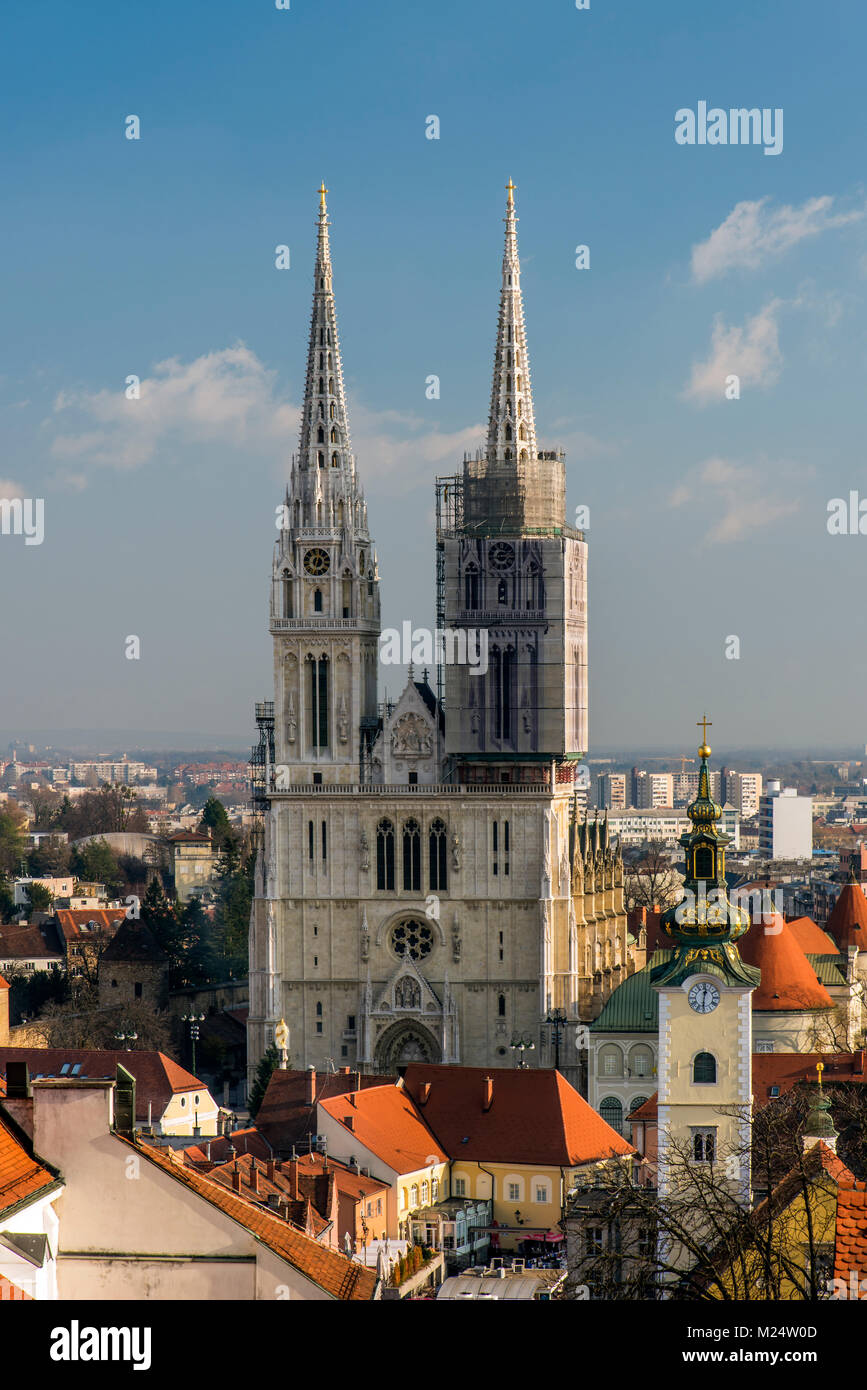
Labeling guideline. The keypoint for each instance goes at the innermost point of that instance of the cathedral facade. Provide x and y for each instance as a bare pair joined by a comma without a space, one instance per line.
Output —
429,886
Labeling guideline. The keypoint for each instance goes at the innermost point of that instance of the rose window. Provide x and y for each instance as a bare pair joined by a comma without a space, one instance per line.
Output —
413,940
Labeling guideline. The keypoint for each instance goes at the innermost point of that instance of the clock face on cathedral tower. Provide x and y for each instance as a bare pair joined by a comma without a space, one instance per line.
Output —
317,561
502,555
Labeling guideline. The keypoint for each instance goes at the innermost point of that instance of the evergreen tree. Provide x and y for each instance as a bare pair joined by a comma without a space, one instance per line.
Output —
160,915
266,1067
215,822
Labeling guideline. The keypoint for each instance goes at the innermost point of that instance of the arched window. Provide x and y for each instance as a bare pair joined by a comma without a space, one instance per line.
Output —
331,385
317,600
320,458
321,385
611,1111
320,435
385,856
318,701
501,1006
703,862
424,1193
413,1195
334,437
508,431
412,857
331,411
704,1069
288,596
437,862
641,1060
335,461
471,587
610,1059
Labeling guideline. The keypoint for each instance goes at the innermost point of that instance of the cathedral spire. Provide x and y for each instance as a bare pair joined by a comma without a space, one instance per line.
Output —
325,441
511,425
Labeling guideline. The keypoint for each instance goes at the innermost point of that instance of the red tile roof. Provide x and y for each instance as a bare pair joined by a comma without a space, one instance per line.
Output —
385,1120
10,1292
333,1272
22,1177
287,1119
848,920
648,1111
30,943
533,1116
72,920
787,1069
811,939
4,984
850,1247
789,981
157,1077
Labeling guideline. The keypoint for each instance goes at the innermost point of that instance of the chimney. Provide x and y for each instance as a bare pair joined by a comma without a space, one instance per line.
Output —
5,992
271,1169
236,1180
356,1081
293,1181
254,1178
208,1151
344,1071
18,1100
311,1086
487,1092
424,1093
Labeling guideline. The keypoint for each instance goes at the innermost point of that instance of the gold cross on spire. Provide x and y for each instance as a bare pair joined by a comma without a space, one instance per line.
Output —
322,192
510,190
704,724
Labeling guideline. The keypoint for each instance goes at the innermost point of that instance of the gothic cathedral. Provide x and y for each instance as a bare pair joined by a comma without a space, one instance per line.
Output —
429,885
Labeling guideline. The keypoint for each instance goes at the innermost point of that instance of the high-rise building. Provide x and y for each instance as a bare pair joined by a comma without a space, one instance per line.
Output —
743,790
785,824
654,789
611,791
429,886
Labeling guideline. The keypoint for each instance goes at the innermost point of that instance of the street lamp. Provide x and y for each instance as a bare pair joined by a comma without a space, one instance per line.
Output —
126,1038
193,1020
557,1020
522,1045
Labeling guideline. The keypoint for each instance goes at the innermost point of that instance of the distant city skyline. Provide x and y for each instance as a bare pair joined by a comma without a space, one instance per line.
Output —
155,258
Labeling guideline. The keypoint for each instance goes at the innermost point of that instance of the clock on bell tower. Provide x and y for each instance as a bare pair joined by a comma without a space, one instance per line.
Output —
705,1018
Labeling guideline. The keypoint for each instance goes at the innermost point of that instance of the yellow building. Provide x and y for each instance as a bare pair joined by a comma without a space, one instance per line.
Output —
705,1016
521,1138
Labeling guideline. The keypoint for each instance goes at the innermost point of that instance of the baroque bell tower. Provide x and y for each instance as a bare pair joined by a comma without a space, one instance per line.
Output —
325,582
705,1014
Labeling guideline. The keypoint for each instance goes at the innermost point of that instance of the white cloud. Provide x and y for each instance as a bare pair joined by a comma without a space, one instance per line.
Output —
752,353
221,397
753,233
402,447
735,497
9,489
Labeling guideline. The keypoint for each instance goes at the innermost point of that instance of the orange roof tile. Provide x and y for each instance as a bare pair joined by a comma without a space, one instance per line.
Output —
11,1292
850,1247
811,939
787,1069
533,1116
788,979
22,1177
384,1119
848,920
286,1118
333,1272
157,1076
4,984
71,920
648,1111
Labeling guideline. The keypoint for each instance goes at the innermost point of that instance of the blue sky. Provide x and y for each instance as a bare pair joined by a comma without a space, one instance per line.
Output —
156,257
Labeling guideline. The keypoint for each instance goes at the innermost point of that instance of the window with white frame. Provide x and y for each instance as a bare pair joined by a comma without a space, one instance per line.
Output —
703,1145
460,1186
542,1192
514,1190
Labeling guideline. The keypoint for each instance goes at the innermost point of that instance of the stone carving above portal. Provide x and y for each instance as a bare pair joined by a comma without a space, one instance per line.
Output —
411,738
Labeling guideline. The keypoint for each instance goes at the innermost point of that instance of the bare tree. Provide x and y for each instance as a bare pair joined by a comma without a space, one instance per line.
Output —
651,879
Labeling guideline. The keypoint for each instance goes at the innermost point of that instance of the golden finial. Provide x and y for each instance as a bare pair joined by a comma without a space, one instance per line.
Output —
322,192
820,1067
704,724
510,190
